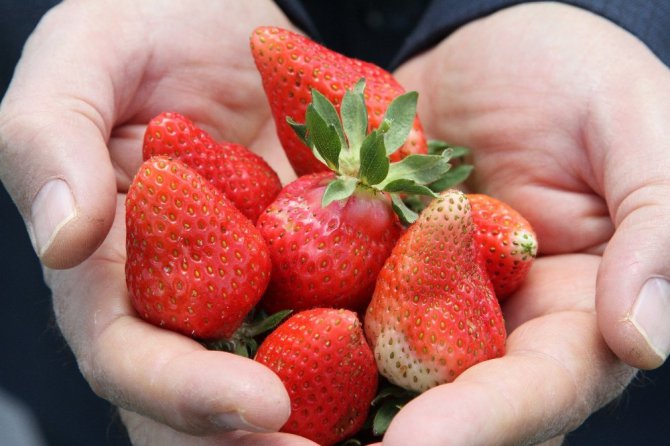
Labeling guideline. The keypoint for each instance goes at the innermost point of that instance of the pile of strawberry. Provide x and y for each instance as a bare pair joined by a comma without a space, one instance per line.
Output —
213,238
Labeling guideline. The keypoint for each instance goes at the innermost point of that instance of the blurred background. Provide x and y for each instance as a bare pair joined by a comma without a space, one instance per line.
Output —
44,401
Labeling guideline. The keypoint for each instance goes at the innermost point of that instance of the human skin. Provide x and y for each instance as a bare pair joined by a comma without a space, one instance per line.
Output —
518,87
112,65
566,114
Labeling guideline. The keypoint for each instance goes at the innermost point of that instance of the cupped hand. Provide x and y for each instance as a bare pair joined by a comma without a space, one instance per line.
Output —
567,116
557,370
172,391
90,78
71,128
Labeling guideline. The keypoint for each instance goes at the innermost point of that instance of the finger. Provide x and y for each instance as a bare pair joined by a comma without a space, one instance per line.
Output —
522,131
146,432
633,285
547,275
152,371
54,122
556,372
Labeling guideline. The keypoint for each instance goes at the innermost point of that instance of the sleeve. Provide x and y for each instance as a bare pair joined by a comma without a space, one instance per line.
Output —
648,20
17,21
298,15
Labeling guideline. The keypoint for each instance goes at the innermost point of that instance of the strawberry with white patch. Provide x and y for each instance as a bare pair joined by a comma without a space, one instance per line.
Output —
434,313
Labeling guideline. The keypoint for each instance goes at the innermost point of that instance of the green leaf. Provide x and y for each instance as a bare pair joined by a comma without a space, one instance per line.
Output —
438,147
383,418
246,349
299,129
355,115
459,152
423,169
328,113
417,203
323,137
360,86
374,162
400,115
339,189
407,216
243,342
268,323
408,187
388,390
455,176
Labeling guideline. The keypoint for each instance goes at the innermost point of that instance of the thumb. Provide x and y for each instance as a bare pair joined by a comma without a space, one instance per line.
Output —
633,287
54,160
633,291
56,168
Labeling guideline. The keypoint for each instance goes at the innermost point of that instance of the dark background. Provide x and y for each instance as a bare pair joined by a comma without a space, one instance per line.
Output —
36,365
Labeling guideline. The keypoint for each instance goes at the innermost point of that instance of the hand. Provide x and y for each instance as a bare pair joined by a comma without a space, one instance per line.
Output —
171,389
567,117
91,77
71,129
557,370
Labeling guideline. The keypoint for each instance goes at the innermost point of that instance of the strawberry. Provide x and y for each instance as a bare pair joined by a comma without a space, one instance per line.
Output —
434,313
291,65
325,256
328,370
246,179
330,232
195,264
506,240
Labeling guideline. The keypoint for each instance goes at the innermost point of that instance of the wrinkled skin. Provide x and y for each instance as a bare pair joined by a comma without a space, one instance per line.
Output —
552,100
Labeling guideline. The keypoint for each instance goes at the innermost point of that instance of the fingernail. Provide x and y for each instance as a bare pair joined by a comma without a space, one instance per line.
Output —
235,420
651,315
52,209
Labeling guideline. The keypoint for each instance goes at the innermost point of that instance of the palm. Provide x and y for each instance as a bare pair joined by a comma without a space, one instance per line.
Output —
518,94
162,370
196,66
521,107
190,57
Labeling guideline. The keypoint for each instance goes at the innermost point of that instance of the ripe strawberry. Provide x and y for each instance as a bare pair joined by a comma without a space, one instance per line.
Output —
507,242
325,256
330,232
433,313
328,370
246,179
291,65
195,264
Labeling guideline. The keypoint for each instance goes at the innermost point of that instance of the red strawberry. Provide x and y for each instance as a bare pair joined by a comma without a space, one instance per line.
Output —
507,242
195,264
328,370
325,256
291,65
246,179
330,232
433,313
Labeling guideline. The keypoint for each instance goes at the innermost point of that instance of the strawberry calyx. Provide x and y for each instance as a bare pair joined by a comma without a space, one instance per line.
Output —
388,401
246,339
361,159
459,172
460,169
